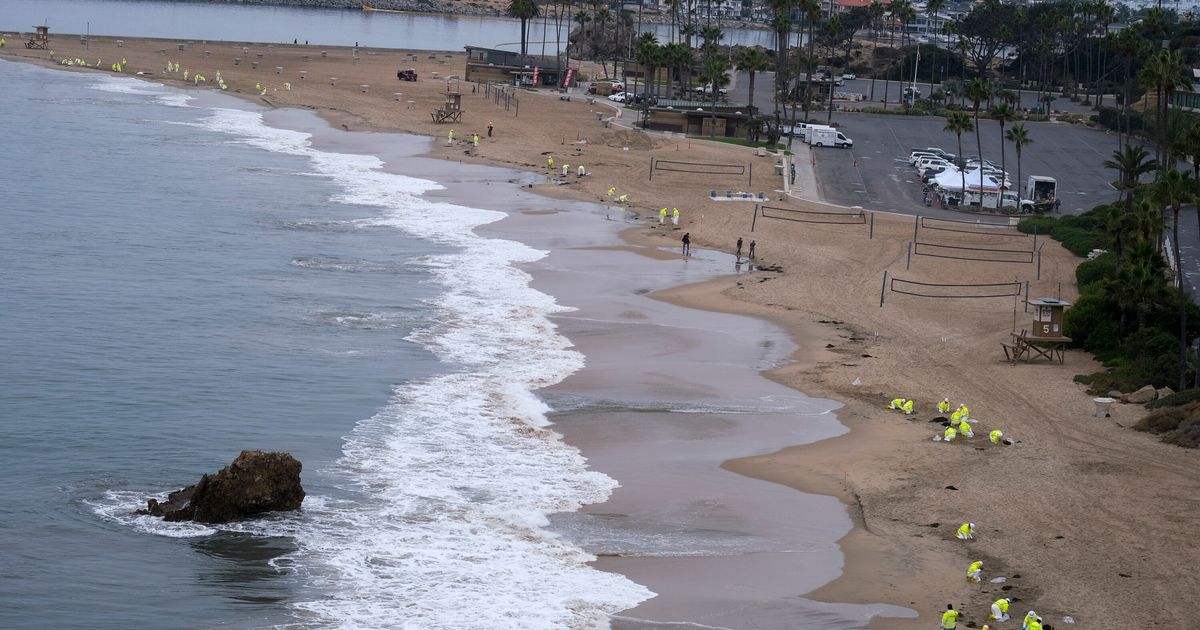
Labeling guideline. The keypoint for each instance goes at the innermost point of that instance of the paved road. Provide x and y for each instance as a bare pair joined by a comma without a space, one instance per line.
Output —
883,179
764,98
1189,249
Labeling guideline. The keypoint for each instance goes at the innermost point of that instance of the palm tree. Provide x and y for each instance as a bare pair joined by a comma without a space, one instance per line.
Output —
1004,115
1139,284
752,61
1175,188
1166,72
977,91
958,123
932,9
812,11
1020,139
1188,145
876,11
647,55
953,89
1148,223
523,10
1131,163
716,74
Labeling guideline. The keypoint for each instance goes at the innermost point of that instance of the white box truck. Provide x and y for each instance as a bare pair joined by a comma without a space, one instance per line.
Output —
1042,194
827,137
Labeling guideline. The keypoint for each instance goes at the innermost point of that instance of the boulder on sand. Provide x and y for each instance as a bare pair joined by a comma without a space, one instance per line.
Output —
1143,395
256,482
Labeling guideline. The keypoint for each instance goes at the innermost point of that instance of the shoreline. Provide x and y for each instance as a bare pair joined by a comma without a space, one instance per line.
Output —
1053,481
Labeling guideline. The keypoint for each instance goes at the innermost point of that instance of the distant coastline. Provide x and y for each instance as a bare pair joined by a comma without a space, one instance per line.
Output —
478,8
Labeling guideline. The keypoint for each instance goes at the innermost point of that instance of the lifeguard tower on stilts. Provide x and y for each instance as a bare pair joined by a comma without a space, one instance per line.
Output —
450,111
1045,338
40,40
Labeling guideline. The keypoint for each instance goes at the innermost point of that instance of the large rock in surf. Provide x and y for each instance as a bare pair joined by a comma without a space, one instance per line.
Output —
256,482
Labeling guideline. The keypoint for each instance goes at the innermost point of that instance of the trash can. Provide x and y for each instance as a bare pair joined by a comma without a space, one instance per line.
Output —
1103,405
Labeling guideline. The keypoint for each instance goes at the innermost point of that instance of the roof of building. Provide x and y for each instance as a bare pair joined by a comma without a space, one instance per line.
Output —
728,108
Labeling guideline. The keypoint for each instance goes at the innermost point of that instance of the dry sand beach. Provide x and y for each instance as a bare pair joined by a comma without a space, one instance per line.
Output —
1095,519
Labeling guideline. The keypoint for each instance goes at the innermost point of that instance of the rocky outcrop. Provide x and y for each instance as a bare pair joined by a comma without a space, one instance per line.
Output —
1142,396
256,482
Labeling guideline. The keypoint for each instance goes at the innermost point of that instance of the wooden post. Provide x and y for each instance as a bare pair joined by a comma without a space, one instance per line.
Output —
1026,298
750,181
651,169
916,224
755,219
908,263
1039,270
883,288
871,234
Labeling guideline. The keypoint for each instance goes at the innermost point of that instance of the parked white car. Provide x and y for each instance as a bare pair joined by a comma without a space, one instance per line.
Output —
849,76
617,98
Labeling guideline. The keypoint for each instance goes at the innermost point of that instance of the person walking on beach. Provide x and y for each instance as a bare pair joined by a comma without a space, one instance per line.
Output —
490,128
687,243
662,216
750,252
739,249
949,618
450,137
475,139
550,163
675,216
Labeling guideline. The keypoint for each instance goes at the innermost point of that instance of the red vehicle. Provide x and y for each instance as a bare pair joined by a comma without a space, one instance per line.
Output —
407,75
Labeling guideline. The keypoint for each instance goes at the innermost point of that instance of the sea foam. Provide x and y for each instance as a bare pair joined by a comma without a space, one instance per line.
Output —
453,479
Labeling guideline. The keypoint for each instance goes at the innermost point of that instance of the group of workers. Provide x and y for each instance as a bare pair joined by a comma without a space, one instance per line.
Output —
566,168
960,425
662,216
960,420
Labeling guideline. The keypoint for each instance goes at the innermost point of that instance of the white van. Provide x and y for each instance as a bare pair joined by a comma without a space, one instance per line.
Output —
828,136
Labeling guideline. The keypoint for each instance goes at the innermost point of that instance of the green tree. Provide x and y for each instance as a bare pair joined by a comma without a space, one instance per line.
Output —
1004,114
1139,285
959,123
752,61
1019,136
876,11
1175,188
977,91
716,74
647,53
1131,163
933,9
523,10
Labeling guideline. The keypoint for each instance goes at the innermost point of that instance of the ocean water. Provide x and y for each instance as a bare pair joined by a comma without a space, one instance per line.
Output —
283,24
180,281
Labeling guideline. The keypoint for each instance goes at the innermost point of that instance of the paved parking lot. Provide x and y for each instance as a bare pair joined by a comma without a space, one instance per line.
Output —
884,180
764,99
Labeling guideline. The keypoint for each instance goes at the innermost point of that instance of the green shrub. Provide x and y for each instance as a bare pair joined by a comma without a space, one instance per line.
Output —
1077,240
1090,323
1090,272
1176,425
1043,225
1177,399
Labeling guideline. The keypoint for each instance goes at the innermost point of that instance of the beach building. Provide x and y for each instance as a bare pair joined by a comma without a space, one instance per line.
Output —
697,118
1188,99
506,66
